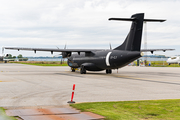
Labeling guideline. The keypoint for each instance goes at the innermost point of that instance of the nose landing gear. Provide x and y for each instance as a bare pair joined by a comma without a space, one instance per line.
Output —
73,69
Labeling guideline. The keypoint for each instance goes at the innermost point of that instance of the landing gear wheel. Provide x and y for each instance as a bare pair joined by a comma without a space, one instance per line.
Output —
73,69
108,71
82,70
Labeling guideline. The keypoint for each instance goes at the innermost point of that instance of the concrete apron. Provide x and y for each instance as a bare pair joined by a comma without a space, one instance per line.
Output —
53,114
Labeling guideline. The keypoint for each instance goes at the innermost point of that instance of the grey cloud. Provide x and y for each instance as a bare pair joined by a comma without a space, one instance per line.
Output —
49,23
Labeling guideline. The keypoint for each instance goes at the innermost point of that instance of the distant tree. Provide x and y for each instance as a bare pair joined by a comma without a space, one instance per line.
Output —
14,57
20,56
23,59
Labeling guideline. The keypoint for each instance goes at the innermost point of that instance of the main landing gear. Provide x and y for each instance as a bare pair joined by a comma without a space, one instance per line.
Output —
108,71
82,70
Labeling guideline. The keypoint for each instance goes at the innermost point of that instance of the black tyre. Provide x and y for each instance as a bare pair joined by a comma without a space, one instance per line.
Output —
108,71
82,70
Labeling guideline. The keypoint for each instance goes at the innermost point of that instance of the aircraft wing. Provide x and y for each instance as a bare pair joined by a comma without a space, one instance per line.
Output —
52,49
75,50
152,50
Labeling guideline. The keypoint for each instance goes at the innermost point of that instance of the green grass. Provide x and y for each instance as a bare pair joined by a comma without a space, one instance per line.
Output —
41,63
134,110
3,115
159,64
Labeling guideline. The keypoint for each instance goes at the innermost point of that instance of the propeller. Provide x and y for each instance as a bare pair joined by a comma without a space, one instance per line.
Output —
57,47
3,51
57,55
110,46
62,59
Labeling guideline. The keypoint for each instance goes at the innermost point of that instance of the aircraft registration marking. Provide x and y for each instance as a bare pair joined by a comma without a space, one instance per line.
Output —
107,58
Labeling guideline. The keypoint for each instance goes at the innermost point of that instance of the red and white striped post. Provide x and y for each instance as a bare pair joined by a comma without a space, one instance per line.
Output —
72,95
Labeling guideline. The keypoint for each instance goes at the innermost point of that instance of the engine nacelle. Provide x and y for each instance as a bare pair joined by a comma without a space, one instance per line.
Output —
66,54
91,67
6,55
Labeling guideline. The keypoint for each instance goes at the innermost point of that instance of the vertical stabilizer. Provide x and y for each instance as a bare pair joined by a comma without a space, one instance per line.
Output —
133,39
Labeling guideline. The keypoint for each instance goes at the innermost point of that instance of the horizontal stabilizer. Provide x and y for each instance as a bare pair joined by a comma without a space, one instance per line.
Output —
122,19
154,20
133,19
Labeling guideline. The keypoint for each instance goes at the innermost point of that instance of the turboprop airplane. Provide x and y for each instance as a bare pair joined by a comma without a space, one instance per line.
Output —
173,60
2,58
106,59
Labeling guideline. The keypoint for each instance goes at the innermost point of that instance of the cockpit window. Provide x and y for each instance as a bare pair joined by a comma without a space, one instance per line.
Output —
173,58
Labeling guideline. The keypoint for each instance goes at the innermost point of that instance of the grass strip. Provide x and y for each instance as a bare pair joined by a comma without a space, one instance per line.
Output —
134,110
158,64
3,115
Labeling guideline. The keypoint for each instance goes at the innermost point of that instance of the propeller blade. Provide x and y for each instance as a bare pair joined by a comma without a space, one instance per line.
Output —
57,55
61,61
3,51
57,47
110,46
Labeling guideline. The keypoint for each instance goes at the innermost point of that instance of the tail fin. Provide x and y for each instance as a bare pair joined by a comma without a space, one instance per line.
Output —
133,39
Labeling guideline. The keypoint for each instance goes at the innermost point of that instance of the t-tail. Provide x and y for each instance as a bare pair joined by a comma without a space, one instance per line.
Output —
133,39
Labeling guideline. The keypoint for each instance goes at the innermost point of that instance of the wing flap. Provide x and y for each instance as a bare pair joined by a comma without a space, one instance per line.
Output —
52,50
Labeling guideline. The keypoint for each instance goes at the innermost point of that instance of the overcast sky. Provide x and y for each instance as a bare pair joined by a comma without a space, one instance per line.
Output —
84,24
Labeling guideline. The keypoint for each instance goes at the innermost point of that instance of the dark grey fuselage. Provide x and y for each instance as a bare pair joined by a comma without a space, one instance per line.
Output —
101,60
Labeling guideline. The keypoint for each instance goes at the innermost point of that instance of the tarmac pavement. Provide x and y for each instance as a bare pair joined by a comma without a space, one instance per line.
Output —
27,86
